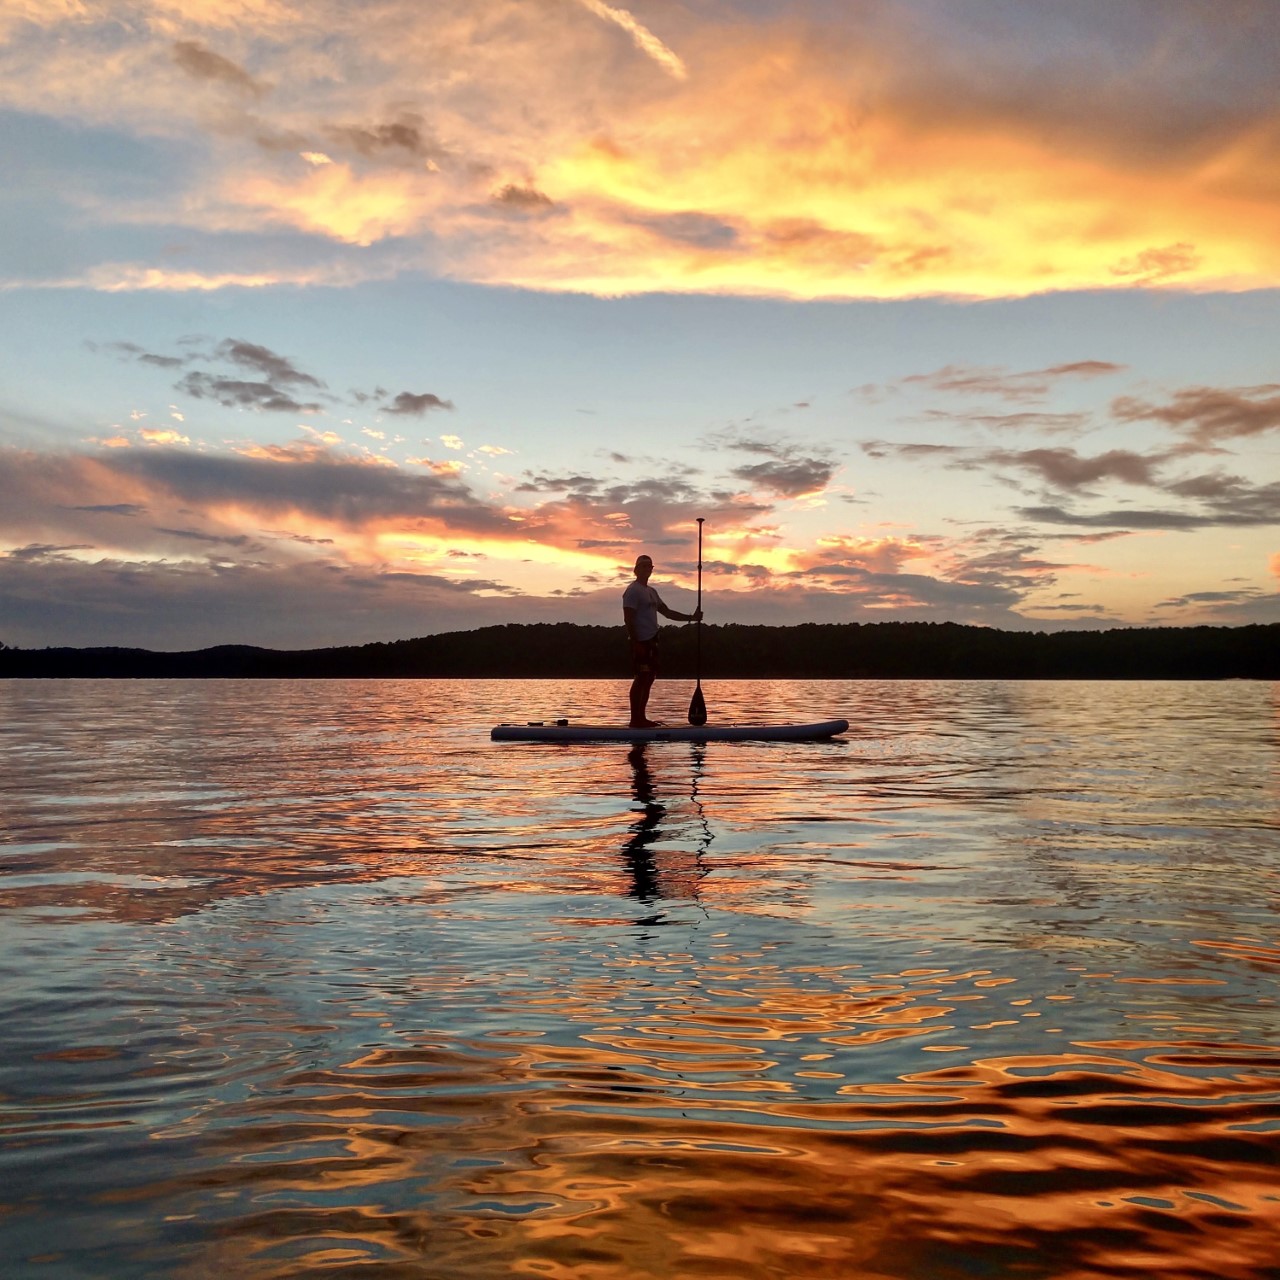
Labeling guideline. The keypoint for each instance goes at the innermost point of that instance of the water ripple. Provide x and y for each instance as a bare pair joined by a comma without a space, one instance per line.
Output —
303,978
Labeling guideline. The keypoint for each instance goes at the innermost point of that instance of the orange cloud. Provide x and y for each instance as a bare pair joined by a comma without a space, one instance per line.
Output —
773,173
266,509
451,468
297,451
333,200
877,555
162,436
794,161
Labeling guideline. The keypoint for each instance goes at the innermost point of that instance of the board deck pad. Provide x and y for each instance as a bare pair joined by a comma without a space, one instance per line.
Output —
566,732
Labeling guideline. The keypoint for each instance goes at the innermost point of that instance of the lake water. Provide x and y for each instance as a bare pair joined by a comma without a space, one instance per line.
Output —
311,977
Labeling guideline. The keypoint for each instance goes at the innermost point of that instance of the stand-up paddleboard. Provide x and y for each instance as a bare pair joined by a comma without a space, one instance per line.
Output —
565,732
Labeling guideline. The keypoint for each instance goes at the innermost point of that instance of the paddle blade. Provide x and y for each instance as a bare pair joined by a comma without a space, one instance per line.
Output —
697,707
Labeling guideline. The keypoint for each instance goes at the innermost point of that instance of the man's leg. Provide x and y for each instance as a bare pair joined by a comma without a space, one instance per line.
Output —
640,688
646,671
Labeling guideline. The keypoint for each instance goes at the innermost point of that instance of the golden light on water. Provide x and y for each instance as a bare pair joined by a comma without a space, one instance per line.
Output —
962,990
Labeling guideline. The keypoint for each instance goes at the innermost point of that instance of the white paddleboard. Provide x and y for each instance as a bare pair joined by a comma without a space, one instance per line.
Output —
554,732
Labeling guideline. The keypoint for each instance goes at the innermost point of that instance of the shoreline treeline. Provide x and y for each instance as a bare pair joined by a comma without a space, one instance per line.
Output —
877,650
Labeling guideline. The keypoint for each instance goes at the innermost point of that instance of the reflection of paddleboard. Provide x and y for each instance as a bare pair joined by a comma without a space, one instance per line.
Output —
565,732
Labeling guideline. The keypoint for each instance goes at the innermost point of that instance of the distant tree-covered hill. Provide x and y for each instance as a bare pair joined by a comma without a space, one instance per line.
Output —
923,650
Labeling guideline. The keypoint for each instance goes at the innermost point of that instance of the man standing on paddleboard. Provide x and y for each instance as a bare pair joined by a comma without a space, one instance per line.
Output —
641,605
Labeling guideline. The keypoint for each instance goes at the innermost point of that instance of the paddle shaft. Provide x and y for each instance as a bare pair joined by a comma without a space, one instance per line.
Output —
697,704
697,643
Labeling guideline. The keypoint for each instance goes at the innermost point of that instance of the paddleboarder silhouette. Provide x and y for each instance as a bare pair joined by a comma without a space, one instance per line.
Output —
641,605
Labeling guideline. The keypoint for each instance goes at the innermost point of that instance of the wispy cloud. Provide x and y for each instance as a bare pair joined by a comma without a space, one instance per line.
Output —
1067,469
1002,384
1209,414
238,540
402,139
278,368
1064,469
204,64
644,39
1151,266
1236,504
236,393
1232,607
1205,500
1039,423
144,277
789,470
132,351
275,394
113,509
415,404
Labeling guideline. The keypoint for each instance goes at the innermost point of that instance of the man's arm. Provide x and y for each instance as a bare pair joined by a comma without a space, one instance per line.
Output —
672,614
629,617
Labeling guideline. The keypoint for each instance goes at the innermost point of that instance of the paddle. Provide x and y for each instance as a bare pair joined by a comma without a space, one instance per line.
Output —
697,704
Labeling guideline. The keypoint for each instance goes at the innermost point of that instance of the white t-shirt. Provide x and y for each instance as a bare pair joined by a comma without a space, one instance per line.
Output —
641,597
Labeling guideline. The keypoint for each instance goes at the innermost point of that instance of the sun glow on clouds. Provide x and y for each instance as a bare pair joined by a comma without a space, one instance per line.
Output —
523,556
847,160
333,201
796,192
162,436
885,554
260,508
450,468
833,152
350,507
321,437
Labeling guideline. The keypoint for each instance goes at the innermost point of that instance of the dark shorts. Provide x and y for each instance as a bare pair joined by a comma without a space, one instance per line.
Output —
644,658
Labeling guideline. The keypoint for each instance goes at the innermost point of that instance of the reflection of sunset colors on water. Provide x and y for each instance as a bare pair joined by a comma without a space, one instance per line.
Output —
305,976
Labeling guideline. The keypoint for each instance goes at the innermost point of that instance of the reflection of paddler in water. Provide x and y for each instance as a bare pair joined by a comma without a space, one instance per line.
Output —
673,872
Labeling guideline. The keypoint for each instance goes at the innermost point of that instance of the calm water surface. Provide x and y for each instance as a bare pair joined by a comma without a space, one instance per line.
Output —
310,977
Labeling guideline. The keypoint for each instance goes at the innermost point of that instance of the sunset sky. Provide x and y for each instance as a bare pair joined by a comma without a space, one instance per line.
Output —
328,322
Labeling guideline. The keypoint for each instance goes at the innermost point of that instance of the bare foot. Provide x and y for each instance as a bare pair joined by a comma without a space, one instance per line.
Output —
647,724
